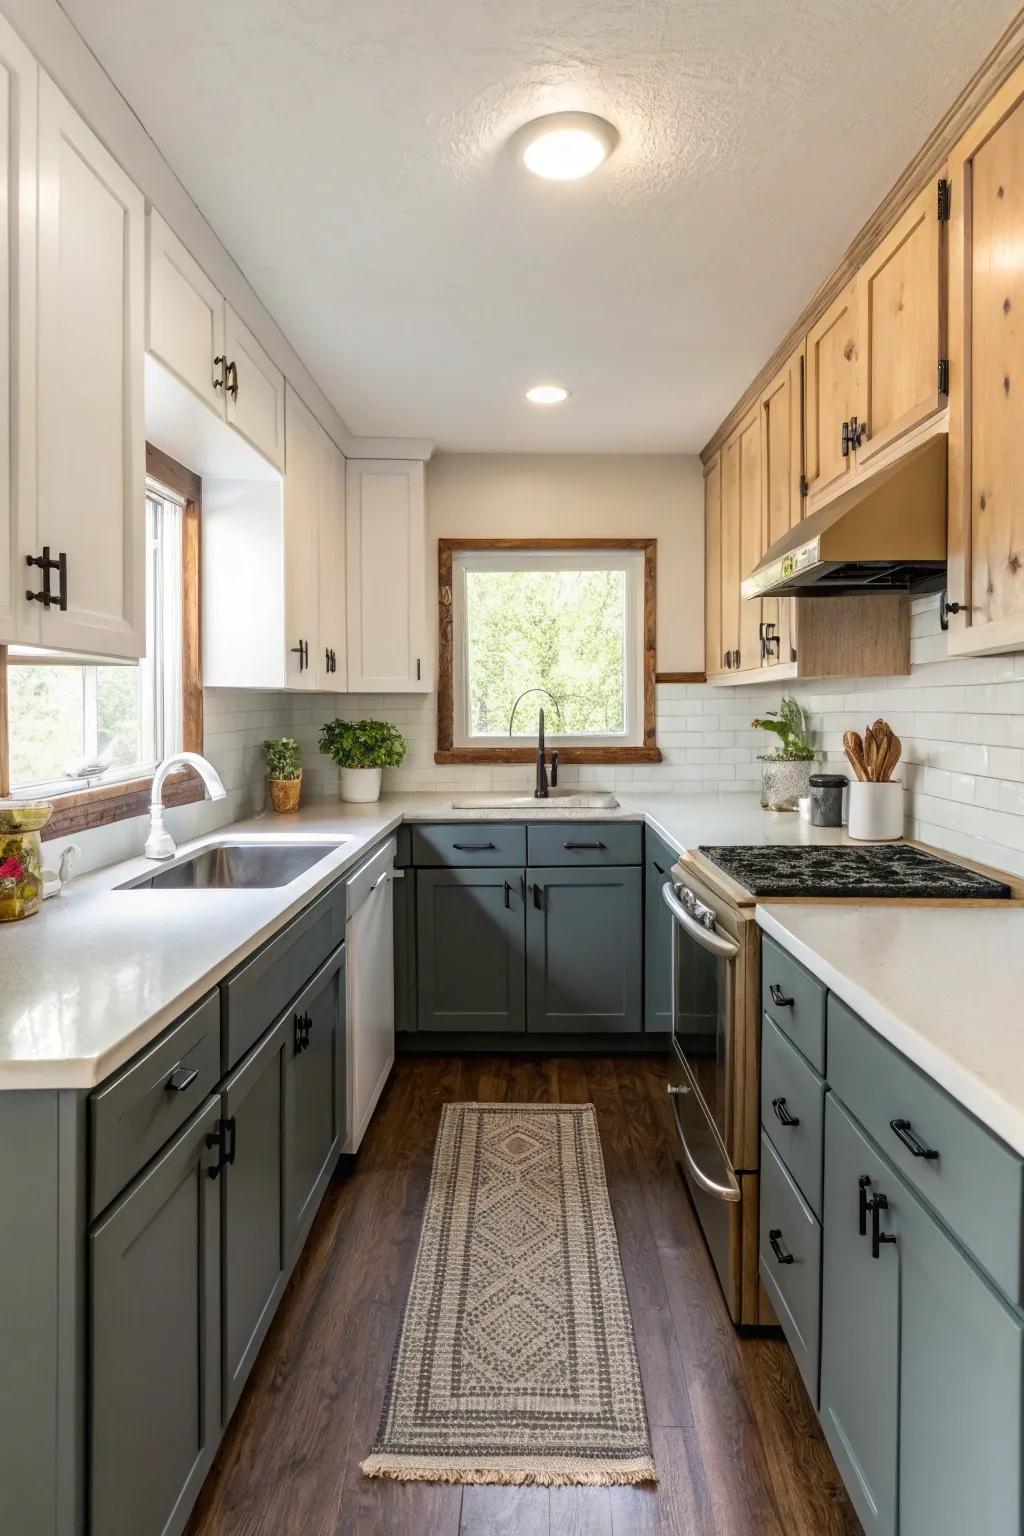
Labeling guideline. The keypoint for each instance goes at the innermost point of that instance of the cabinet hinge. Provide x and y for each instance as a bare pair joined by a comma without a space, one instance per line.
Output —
805,485
945,197
943,375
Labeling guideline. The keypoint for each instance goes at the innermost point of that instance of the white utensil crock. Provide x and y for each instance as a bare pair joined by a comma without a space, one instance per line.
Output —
876,811
360,783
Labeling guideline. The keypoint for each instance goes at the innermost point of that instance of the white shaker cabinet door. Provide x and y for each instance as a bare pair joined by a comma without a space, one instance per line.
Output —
332,663
302,493
254,391
385,534
91,461
185,316
19,619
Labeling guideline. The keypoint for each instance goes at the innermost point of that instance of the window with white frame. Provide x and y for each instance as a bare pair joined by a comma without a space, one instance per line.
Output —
569,623
78,721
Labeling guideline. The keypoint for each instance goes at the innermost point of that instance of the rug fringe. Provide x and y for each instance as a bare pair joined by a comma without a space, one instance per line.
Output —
403,1469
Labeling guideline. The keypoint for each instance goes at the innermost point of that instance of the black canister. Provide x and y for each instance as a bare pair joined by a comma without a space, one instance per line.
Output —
827,799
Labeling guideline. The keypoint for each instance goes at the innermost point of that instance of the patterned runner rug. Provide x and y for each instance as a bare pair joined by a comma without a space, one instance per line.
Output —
516,1362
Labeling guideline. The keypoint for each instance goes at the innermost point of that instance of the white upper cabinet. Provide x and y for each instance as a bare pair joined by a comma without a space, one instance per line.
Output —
386,578
90,433
194,332
303,490
18,85
332,665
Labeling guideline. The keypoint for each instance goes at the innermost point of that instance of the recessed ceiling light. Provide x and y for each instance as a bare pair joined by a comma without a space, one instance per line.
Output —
566,145
547,394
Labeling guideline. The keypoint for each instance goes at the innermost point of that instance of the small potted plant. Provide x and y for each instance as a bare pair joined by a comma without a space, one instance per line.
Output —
786,774
283,758
361,748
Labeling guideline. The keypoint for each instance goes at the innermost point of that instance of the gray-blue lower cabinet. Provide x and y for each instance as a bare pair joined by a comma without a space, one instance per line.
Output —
470,942
658,861
155,1340
316,1104
584,950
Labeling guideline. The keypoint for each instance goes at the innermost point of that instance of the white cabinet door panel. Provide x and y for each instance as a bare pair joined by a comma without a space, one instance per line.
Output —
185,328
255,391
333,677
385,525
91,436
301,517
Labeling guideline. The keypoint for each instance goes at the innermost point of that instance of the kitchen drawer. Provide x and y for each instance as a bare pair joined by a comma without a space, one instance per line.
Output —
585,842
794,1000
790,1263
261,988
974,1181
466,846
792,1111
133,1115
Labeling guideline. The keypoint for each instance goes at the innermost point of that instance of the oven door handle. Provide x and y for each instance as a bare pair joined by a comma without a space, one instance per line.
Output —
730,1191
725,948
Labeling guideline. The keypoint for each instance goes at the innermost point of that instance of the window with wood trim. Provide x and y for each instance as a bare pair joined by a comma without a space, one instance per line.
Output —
87,732
567,626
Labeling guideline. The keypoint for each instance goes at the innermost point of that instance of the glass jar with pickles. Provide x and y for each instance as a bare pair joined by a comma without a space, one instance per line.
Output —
21,857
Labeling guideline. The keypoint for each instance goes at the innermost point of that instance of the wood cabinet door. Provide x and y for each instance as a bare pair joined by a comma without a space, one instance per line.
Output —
961,1390
751,538
154,1375
386,551
584,951
303,493
316,1105
471,940
253,1239
713,648
331,657
831,394
901,328
18,89
91,441
253,391
986,372
782,467
730,546
860,1313
184,315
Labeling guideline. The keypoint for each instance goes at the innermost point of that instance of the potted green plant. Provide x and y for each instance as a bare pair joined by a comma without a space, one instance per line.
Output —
283,758
361,748
786,774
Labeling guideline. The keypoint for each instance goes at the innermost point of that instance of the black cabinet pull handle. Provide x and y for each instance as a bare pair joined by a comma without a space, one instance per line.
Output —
181,1078
508,897
782,1114
474,847
537,901
781,1252
228,1139
912,1142
302,651
657,866
863,1185
46,565
231,379
584,847
222,1137
303,1024
213,1140
220,362
418,669
876,1206
845,440
778,997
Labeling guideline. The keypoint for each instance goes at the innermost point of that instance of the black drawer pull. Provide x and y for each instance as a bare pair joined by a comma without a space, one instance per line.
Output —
223,1138
181,1078
474,847
657,866
876,1206
782,1114
778,997
584,847
781,1253
508,897
863,1185
537,899
913,1143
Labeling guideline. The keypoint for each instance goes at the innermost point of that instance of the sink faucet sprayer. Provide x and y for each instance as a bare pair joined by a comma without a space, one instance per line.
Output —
160,844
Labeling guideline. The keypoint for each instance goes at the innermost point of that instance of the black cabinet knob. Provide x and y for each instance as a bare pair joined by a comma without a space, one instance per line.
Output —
181,1078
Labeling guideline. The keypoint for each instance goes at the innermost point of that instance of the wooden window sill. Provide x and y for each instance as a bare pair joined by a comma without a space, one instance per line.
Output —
83,809
566,755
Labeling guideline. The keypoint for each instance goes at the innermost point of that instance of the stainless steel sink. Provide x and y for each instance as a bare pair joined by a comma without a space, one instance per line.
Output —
234,866
557,800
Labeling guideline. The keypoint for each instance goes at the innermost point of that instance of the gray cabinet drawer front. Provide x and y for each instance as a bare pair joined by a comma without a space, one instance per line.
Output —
794,1000
466,845
133,1115
585,842
789,1226
792,1090
975,1183
261,988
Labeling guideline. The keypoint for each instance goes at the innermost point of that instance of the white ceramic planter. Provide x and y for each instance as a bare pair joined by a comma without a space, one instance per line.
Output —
362,784
876,811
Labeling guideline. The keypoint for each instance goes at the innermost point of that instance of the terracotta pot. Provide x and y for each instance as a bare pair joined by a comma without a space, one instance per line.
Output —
284,794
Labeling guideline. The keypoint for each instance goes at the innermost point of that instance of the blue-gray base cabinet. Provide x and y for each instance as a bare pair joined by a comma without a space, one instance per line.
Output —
920,1311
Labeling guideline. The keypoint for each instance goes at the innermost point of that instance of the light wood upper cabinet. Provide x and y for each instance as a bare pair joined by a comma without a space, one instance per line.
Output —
730,556
713,648
195,333
901,328
386,576
781,479
751,536
986,364
832,394
733,501
91,464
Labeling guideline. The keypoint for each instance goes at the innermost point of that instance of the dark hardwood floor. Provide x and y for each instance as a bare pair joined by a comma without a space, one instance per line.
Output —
737,1444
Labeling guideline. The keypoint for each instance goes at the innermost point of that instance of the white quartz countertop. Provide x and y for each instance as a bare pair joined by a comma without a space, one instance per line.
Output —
945,985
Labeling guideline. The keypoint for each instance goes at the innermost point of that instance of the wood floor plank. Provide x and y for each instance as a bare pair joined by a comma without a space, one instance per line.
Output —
678,1505
668,1404
497,1511
580,1512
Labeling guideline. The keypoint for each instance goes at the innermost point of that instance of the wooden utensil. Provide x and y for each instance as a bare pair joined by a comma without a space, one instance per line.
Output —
872,745
854,749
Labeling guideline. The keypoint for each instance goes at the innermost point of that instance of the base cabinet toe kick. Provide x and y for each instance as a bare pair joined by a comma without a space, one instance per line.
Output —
891,1244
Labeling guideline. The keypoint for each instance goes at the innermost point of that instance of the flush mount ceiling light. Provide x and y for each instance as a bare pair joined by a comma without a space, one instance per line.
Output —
566,145
547,394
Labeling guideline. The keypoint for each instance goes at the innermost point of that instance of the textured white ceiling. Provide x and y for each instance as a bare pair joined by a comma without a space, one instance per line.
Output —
354,159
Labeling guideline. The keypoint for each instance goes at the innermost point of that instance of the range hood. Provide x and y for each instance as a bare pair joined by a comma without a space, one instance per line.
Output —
885,534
